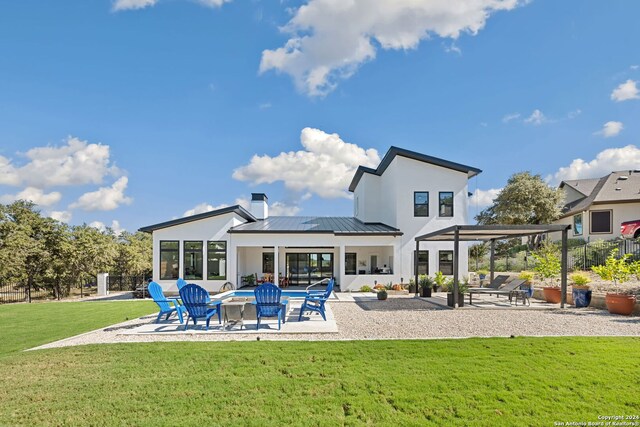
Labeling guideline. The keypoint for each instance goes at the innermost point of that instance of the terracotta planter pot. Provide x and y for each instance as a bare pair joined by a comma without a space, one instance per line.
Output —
552,294
620,304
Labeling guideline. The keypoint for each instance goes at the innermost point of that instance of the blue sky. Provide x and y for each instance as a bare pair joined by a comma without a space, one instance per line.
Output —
140,111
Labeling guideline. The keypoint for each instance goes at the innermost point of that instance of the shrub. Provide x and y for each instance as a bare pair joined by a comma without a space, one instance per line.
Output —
580,279
483,272
388,286
615,269
366,288
440,280
526,275
547,262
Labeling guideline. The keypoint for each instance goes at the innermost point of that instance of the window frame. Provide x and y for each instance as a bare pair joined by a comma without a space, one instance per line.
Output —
219,251
440,193
184,259
415,205
177,250
355,263
440,262
575,229
610,211
417,260
273,261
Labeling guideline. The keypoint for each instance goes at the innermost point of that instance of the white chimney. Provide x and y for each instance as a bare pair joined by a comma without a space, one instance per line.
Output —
259,205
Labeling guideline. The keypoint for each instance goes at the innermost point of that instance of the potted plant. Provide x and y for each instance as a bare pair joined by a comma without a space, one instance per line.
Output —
482,273
382,294
439,281
548,268
618,271
528,284
412,286
462,288
425,283
580,290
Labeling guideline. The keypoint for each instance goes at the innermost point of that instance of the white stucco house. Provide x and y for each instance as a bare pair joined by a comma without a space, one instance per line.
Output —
595,208
407,195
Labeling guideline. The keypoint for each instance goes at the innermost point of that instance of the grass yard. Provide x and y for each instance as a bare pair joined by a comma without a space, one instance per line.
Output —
521,381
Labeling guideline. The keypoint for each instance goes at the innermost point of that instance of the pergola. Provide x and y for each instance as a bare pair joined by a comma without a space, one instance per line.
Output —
491,233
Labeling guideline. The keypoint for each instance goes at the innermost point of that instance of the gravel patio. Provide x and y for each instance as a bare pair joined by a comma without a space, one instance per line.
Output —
360,317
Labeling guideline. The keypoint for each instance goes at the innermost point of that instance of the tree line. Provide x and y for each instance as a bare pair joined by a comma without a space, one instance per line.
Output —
38,252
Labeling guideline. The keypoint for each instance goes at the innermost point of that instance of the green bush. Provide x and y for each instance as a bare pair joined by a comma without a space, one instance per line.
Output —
366,288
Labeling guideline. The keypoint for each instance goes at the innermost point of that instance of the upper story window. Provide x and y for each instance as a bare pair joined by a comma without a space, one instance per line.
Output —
193,260
169,259
421,203
217,260
601,222
445,203
577,225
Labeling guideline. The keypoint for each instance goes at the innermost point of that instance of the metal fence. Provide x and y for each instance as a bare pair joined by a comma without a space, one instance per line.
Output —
580,257
137,284
11,293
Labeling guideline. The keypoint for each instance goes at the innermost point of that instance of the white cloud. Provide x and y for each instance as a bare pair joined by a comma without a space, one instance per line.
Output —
536,118
330,39
265,105
625,91
115,226
283,209
610,129
607,161
202,208
634,67
484,198
75,163
573,114
105,198
62,216
34,195
325,166
509,117
141,4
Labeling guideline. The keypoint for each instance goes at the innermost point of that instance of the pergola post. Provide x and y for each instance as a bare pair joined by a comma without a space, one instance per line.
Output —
456,257
563,274
491,260
415,264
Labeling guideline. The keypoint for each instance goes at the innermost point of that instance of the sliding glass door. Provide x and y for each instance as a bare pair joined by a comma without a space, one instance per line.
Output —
304,269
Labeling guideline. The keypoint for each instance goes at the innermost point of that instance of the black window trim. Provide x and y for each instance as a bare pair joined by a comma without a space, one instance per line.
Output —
610,221
440,193
420,204
226,272
416,254
355,271
168,250
440,261
264,255
184,252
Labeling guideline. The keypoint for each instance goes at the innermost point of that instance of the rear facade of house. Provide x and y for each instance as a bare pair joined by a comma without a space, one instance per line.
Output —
407,195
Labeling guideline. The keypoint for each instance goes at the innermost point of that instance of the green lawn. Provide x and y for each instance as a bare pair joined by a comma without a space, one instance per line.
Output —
521,381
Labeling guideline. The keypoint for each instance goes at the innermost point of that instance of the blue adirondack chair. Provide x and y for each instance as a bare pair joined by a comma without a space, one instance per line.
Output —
181,283
197,302
269,304
155,290
315,301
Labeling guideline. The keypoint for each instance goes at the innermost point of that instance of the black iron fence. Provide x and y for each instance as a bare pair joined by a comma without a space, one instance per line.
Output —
579,257
135,284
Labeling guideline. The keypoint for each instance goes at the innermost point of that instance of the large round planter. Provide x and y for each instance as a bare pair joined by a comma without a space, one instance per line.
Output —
552,294
413,289
425,292
450,300
581,296
620,304
529,289
382,296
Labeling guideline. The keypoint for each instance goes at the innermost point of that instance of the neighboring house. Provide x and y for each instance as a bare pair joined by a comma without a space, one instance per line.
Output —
595,208
407,195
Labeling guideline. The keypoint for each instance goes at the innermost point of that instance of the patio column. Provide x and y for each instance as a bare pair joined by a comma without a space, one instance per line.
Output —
415,264
341,262
275,264
491,260
563,277
456,258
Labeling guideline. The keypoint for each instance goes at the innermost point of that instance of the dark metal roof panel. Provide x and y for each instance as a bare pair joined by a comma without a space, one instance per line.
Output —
312,224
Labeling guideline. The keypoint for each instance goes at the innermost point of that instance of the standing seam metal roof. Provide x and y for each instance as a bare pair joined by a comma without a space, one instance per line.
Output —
313,224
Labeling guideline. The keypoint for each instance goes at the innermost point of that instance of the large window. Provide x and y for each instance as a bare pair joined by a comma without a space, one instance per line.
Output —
601,222
169,260
445,203
268,259
445,262
421,203
577,225
350,263
193,260
217,260
422,261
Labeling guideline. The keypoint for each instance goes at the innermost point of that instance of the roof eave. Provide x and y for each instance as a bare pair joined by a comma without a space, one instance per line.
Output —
237,209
